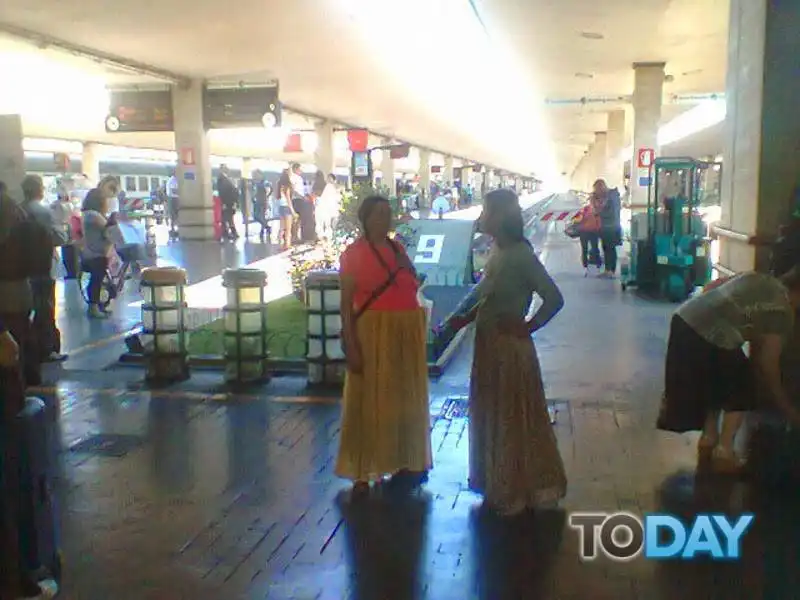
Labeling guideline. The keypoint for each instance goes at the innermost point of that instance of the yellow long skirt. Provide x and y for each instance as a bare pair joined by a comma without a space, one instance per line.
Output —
385,414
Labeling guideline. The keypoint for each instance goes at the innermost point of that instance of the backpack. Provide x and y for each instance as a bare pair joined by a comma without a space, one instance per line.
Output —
27,251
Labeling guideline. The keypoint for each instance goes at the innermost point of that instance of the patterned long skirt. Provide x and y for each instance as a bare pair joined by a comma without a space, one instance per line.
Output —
385,409
513,455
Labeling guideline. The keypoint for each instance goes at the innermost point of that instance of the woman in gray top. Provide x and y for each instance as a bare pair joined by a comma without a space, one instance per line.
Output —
97,244
513,457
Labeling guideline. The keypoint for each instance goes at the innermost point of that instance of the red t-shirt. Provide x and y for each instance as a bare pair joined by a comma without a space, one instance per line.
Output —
359,262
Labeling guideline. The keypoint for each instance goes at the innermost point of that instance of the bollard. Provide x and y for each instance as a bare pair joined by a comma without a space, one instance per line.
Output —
150,234
163,325
324,345
245,317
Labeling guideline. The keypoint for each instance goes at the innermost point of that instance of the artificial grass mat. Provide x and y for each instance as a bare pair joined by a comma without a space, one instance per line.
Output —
287,326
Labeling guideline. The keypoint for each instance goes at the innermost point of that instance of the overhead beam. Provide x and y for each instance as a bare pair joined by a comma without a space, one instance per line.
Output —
344,126
47,42
668,99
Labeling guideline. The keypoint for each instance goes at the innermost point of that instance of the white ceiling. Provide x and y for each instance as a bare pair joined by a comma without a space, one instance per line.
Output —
329,65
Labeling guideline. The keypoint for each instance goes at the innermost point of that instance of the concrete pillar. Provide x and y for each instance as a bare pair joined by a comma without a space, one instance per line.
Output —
466,176
578,175
587,167
325,154
599,156
648,92
615,144
761,165
447,175
387,170
12,155
90,162
196,217
425,176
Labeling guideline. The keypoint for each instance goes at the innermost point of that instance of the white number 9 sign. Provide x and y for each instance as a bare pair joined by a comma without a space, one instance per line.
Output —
429,249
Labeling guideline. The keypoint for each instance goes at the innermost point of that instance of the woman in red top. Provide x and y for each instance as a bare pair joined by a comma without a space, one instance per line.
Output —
385,419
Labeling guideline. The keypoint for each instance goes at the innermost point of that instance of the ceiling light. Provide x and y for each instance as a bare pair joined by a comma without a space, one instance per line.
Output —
584,75
591,35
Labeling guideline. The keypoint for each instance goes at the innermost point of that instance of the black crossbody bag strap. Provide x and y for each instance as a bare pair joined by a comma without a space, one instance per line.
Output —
381,289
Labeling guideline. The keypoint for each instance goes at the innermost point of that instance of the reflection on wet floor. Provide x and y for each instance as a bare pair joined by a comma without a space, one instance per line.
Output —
193,492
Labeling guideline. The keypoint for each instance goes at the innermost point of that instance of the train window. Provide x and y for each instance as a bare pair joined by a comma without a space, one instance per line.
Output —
144,184
155,183
130,184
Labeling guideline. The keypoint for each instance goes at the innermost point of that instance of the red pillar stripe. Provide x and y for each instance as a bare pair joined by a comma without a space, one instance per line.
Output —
563,216
546,216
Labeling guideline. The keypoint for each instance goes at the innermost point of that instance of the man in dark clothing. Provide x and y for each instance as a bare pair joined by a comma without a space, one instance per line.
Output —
609,202
44,288
262,192
18,362
229,196
16,299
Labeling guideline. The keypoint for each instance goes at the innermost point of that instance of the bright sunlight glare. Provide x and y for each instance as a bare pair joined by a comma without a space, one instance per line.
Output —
444,61
50,93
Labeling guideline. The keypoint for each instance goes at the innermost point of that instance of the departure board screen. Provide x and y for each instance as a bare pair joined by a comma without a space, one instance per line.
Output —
139,110
225,108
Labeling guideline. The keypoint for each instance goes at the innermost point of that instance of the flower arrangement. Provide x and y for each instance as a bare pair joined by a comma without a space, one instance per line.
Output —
346,230
407,235
324,257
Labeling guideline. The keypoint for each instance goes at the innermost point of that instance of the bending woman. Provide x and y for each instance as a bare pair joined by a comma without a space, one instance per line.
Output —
707,371
513,456
385,420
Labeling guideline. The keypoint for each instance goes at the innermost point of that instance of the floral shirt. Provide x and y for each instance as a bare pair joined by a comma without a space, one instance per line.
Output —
739,310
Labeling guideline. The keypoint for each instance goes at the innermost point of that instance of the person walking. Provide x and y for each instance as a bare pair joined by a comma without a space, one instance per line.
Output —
607,203
229,197
286,212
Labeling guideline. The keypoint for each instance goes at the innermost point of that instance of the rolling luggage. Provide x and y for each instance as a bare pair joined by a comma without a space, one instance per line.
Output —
38,527
774,453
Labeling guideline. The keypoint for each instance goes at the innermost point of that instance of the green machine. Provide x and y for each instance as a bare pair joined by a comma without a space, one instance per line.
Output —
669,243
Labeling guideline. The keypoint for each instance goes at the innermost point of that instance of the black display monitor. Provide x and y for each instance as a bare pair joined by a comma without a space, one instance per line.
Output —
139,110
232,107
361,167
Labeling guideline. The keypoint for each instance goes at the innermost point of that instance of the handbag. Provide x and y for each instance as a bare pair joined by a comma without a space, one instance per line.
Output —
381,289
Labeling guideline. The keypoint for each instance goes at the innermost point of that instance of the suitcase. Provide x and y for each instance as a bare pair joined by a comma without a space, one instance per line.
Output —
38,527
774,453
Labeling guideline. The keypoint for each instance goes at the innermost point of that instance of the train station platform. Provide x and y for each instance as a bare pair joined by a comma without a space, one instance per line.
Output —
173,494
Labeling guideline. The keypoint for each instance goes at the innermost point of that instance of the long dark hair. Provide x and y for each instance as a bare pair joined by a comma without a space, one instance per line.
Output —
283,182
506,203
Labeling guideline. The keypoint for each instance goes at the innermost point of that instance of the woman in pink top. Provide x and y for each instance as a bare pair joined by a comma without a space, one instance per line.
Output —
385,419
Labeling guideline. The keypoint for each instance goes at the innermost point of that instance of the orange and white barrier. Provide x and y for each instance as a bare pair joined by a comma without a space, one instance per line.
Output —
559,215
